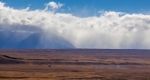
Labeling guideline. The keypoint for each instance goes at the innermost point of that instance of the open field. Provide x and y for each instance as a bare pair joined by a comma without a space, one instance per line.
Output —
74,64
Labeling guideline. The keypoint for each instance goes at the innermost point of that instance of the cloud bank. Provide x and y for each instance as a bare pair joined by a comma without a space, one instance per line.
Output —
44,29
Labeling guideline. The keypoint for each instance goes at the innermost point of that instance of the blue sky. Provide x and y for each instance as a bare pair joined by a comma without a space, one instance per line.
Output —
83,27
87,7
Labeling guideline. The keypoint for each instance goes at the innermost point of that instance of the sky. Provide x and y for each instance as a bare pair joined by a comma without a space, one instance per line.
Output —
65,24
86,7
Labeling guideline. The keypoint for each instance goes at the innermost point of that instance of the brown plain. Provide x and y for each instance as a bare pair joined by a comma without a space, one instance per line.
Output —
74,64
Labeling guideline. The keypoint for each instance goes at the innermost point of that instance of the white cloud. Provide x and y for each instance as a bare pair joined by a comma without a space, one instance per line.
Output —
53,6
55,30
1,5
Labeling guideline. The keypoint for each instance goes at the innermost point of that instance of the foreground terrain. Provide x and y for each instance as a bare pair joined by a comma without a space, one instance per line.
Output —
74,64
